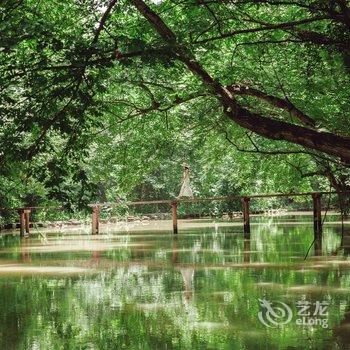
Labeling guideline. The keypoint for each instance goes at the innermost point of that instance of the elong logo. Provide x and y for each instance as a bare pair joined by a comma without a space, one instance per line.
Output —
278,313
274,313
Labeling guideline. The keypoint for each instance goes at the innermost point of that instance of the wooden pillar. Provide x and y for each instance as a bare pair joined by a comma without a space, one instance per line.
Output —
22,222
26,218
316,198
174,214
95,219
246,220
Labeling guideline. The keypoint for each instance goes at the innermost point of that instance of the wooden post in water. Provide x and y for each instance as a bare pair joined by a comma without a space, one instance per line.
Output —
316,198
22,222
246,220
95,219
26,218
174,214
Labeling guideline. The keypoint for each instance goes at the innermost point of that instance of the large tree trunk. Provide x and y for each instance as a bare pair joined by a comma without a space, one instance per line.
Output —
326,142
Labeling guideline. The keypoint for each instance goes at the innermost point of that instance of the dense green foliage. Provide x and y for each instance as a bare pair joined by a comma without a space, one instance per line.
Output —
96,104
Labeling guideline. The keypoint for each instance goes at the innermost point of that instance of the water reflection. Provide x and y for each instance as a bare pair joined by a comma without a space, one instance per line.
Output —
147,290
344,246
187,277
342,331
318,246
246,251
345,243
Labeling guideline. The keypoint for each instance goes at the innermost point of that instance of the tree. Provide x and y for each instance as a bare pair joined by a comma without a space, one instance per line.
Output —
262,69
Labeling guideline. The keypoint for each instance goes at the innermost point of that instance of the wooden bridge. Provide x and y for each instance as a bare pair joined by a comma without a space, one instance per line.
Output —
24,213
245,200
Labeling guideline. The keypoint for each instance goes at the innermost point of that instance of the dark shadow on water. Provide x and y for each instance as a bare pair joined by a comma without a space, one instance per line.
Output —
342,331
345,243
318,246
344,246
246,250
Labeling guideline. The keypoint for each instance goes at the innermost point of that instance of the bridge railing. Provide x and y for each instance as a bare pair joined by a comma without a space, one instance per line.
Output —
245,200
24,213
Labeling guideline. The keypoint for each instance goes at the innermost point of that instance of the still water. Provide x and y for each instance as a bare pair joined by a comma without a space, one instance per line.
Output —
207,288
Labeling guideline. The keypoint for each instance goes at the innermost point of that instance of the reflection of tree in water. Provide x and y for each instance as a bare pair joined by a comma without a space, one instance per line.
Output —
187,273
318,246
128,301
25,254
342,331
246,251
345,243
344,246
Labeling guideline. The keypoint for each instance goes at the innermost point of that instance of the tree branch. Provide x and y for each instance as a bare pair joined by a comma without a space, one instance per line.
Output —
238,89
326,142
103,21
258,150
267,27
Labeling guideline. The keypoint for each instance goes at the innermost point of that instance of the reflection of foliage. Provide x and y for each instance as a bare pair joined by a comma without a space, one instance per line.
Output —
137,300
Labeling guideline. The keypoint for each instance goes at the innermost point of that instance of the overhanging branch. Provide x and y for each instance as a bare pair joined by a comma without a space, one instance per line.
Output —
288,106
